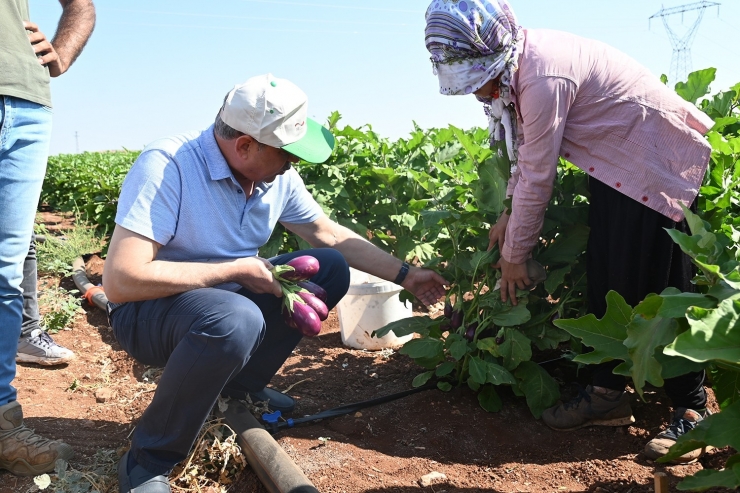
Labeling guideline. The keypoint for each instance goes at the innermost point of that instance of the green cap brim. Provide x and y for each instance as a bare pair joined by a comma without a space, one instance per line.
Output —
316,146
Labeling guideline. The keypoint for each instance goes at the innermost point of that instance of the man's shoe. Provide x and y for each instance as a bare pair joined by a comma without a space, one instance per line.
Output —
23,452
595,406
40,348
139,480
684,420
277,401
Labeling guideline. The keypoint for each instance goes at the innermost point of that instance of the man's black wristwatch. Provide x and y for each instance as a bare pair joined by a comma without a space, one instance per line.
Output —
402,273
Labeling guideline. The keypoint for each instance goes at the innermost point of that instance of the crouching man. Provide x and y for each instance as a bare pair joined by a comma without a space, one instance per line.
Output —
187,289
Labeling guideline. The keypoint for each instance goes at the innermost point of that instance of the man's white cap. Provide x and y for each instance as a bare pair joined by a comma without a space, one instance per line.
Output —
273,111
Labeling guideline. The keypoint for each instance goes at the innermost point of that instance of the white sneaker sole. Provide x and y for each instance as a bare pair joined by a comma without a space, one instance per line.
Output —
39,360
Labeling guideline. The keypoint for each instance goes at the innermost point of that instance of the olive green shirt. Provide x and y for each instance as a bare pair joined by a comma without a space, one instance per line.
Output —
21,75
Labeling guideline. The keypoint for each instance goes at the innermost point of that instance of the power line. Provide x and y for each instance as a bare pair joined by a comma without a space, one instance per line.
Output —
681,58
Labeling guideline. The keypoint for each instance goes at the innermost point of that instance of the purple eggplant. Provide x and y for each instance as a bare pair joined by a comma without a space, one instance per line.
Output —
315,289
288,318
314,302
457,319
470,331
500,340
305,267
306,319
448,310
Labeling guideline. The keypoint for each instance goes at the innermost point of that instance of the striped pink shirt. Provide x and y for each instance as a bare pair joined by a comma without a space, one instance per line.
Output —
607,114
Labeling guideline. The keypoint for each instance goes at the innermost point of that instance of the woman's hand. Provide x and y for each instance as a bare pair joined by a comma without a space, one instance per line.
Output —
256,276
512,276
425,284
497,234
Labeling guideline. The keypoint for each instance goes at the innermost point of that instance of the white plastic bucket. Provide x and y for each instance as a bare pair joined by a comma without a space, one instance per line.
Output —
370,304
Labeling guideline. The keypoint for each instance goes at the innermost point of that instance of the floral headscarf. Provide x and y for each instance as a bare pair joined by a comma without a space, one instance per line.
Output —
472,42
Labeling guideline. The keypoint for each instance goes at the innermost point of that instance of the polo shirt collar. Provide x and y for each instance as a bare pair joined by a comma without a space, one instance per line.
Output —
218,168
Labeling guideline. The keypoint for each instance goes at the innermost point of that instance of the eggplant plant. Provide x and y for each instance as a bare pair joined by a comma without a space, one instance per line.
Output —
480,341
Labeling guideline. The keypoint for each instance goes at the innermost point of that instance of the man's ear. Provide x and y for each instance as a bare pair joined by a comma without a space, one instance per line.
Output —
243,145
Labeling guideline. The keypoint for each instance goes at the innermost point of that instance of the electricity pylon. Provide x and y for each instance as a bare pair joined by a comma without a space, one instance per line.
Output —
681,59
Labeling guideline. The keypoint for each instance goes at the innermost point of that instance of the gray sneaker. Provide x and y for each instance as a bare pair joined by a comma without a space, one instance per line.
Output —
684,420
40,348
595,406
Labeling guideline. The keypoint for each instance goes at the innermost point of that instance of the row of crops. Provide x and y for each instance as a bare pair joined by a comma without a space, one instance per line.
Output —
432,197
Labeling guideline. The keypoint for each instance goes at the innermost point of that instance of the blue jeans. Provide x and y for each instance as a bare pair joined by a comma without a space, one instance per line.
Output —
25,131
204,339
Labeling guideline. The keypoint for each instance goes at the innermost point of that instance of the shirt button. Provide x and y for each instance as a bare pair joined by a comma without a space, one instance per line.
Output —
591,169
567,154
619,185
644,199
239,191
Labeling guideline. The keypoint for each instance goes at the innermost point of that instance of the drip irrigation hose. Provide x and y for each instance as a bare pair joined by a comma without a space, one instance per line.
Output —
272,419
274,425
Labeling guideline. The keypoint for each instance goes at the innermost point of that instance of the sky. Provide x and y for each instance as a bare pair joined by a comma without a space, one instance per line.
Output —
154,68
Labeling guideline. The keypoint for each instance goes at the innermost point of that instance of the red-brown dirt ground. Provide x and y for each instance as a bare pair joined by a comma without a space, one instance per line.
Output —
386,448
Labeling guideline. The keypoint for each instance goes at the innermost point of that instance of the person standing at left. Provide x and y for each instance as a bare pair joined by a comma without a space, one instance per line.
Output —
27,60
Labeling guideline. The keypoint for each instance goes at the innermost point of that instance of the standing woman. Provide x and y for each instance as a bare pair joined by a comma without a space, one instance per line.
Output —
549,94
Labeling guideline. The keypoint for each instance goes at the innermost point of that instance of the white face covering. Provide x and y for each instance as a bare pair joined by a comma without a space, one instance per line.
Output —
471,43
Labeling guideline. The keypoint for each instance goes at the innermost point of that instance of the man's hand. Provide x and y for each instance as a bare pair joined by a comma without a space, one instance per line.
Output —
256,276
512,276
44,50
425,284
75,27
497,234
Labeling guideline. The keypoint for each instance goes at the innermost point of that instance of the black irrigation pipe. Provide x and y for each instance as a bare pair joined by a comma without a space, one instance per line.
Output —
274,425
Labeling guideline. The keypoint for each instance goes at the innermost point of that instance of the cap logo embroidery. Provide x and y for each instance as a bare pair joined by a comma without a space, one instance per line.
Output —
300,124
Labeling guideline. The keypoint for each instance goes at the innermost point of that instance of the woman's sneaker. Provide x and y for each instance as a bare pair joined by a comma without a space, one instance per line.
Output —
23,452
594,406
40,348
684,420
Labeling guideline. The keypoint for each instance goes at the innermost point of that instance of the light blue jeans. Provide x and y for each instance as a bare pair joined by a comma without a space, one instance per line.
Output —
25,131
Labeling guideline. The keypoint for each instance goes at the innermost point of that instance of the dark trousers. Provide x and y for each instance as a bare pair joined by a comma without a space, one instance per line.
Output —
204,339
29,286
630,252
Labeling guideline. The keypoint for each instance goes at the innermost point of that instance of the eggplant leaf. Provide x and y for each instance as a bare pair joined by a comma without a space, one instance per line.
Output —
489,399
515,349
714,334
538,386
606,336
